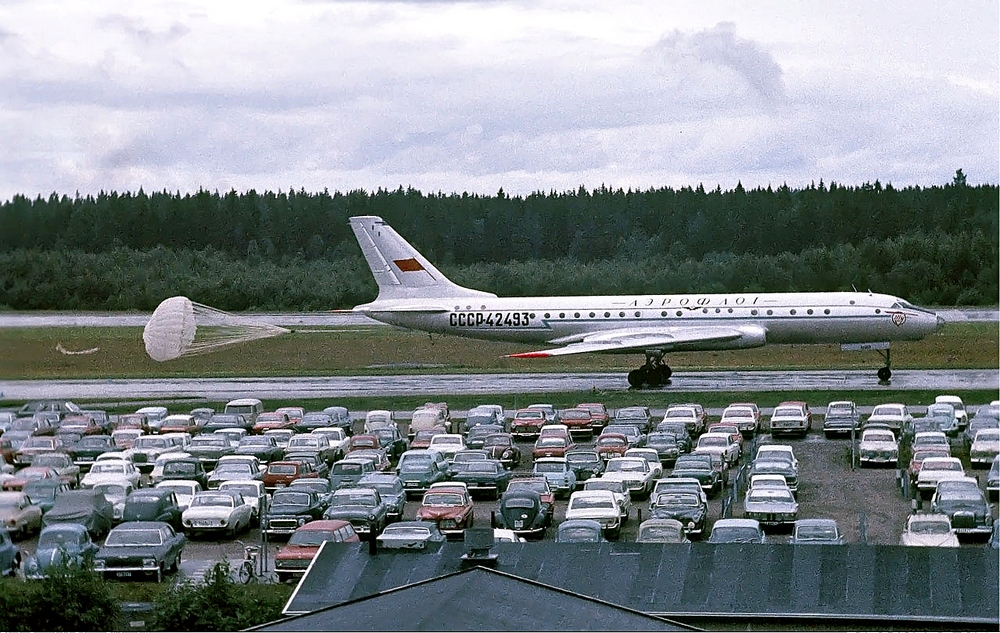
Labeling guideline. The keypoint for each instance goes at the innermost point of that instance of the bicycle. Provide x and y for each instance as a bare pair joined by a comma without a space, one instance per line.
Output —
248,568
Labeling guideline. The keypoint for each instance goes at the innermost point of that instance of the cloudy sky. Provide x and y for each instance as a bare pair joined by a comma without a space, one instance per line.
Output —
481,95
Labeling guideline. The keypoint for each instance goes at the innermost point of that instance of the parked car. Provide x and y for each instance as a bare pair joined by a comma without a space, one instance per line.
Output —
294,557
984,448
552,447
776,464
104,471
586,464
894,415
700,468
993,479
182,423
745,415
620,491
234,471
958,405
770,506
478,434
253,493
362,507
694,423
964,503
209,447
634,471
349,470
153,504
60,545
318,445
540,486
19,515
580,531
64,466
790,418
599,505
377,456
688,508
411,535
217,512
280,474
340,417
678,429
290,509
579,421
43,492
220,421
816,532
140,548
522,512
391,441
313,420
599,416
661,531
487,476
528,423
934,470
945,416
611,445
419,468
36,445
116,492
634,435
842,418
390,488
665,445
929,530
146,448
89,508
10,554
450,508
185,468
737,531
721,444
272,420
263,447
878,447
447,444
182,489
558,472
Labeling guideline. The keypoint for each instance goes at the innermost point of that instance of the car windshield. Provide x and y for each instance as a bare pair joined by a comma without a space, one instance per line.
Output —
816,533
878,436
734,535
281,469
209,440
224,501
415,465
518,502
180,468
549,467
111,490
288,498
627,466
108,467
179,489
535,486
884,410
677,499
353,498
582,458
234,469
660,532
310,538
930,527
446,439
680,413
130,538
582,534
942,464
610,441
54,536
407,531
549,442
342,468
661,438
958,493
150,442
50,459
442,499
602,484
713,441
592,503
479,467
255,440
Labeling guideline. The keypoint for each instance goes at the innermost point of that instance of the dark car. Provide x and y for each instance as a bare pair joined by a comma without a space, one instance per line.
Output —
153,504
291,508
140,548
320,486
340,417
390,488
60,545
586,464
488,476
363,507
263,447
638,416
85,451
522,512
209,447
187,468
687,507
580,531
679,430
86,507
419,469
699,468
221,421
966,506
501,447
391,441
666,446
313,420
540,486
348,471
10,554
478,434
769,466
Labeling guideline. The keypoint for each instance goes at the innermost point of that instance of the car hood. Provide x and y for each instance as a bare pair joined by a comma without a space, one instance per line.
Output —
434,513
348,513
139,551
930,540
207,512
594,513
297,552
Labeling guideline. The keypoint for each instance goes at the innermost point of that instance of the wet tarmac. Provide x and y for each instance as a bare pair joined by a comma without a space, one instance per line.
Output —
475,384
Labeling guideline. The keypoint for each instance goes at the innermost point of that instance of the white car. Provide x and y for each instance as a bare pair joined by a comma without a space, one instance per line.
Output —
937,469
651,456
217,511
378,418
598,505
719,444
253,493
929,530
769,481
618,489
878,446
634,471
115,492
985,447
780,451
336,436
770,505
960,412
895,415
790,418
183,489
147,448
111,471
743,416
447,444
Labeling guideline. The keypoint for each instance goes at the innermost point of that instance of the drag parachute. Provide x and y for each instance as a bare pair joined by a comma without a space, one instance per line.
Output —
181,327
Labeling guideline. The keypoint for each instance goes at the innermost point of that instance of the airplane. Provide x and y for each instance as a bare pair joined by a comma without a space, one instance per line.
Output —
412,293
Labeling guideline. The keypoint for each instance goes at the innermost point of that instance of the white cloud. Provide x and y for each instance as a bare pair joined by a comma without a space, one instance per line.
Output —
474,96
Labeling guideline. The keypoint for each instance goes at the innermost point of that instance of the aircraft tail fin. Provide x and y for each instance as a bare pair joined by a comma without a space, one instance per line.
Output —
399,270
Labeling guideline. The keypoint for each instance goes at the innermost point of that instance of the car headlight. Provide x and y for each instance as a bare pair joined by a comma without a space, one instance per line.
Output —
371,517
301,521
149,562
99,563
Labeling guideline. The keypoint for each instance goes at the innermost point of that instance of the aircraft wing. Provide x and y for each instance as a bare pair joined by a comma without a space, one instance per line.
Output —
642,339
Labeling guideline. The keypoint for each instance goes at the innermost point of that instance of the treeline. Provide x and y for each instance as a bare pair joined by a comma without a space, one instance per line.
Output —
287,251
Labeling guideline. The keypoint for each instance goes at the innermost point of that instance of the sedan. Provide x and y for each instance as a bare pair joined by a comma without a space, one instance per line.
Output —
217,511
450,508
19,515
140,548
552,446
770,506
110,470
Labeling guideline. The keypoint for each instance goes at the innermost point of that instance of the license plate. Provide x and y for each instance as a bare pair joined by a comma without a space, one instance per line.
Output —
411,484
518,524
123,574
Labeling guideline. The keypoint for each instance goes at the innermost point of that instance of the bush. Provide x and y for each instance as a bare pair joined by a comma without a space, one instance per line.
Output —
70,599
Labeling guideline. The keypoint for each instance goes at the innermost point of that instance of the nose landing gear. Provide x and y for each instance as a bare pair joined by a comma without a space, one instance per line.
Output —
654,373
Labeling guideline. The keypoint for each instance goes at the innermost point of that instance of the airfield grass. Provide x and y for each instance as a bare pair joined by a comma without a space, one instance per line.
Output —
31,353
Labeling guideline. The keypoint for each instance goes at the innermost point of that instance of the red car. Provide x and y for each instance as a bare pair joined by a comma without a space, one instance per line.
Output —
80,423
182,423
598,413
293,559
31,473
552,446
294,414
448,506
579,420
361,442
920,455
281,474
422,439
270,420
610,445
138,421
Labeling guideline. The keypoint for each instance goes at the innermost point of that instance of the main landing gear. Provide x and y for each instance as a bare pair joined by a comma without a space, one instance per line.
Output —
885,373
655,373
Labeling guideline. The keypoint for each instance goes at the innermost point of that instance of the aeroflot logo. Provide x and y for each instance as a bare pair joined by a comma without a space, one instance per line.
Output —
898,318
408,265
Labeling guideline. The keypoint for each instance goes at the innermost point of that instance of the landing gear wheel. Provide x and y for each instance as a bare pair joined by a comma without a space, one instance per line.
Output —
654,373
637,377
884,374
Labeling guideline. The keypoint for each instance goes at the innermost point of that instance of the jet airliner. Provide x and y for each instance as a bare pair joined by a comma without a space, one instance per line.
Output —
412,293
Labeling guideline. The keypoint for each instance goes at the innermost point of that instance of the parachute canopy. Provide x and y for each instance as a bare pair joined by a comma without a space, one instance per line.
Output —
181,327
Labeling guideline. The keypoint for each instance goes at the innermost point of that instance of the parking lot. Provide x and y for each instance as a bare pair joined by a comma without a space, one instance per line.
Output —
868,504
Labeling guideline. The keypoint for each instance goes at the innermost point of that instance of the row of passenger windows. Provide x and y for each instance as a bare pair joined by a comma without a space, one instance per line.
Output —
638,314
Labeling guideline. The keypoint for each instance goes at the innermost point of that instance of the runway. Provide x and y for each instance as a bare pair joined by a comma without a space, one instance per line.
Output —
486,384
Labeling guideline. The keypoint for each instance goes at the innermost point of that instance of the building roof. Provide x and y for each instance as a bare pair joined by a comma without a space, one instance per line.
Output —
848,582
475,599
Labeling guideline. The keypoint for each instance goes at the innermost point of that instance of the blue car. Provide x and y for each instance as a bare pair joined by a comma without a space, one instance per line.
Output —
558,472
60,544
